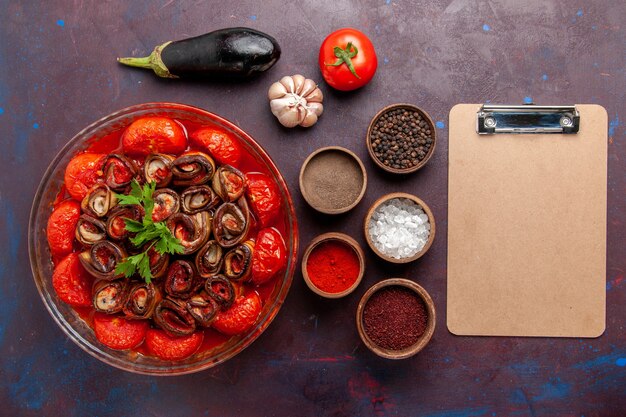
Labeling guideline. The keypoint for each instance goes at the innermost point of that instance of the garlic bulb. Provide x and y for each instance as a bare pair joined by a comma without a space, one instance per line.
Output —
296,101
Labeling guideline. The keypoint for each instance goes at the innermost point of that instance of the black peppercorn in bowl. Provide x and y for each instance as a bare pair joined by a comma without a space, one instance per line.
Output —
396,318
401,138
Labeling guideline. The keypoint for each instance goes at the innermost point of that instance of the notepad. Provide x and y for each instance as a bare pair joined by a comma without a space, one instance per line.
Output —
527,224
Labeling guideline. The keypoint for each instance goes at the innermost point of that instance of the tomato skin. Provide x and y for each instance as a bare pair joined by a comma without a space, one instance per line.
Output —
219,144
263,196
171,348
154,135
72,282
62,227
270,256
83,172
365,62
240,317
119,333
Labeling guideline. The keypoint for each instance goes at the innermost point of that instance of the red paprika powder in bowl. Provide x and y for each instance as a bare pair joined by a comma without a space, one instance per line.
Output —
396,318
333,265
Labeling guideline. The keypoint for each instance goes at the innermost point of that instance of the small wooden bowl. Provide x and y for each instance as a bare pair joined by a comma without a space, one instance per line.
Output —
348,241
339,162
431,220
422,341
410,107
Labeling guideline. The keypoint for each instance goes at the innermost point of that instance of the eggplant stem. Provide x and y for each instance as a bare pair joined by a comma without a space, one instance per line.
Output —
153,62
143,62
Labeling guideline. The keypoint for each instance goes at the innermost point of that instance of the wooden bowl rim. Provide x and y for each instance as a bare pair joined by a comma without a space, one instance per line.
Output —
386,109
421,203
430,325
305,192
343,238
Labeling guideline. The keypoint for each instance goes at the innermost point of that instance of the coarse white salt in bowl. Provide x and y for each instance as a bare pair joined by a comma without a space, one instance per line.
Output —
399,228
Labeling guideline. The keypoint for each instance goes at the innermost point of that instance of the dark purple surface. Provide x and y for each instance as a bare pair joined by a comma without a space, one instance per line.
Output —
59,74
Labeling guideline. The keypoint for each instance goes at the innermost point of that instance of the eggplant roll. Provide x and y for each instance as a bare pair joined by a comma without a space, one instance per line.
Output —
98,201
221,289
181,280
191,231
158,168
142,300
118,171
230,225
238,261
198,198
116,226
203,308
192,168
209,259
110,296
166,203
90,230
172,316
229,183
101,259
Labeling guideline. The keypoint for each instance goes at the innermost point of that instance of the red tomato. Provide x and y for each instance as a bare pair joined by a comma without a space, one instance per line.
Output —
62,227
270,256
171,348
345,48
71,282
240,317
222,146
118,333
154,135
263,196
83,171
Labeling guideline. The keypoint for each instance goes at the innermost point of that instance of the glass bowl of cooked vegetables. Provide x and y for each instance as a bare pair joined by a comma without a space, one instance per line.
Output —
163,239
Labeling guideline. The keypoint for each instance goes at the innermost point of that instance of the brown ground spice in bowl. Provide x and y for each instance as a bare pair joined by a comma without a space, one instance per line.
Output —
395,318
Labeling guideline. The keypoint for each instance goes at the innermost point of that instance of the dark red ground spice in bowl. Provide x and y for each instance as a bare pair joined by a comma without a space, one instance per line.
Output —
396,318
333,265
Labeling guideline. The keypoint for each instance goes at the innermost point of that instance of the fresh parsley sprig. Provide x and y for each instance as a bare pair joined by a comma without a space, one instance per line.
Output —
145,231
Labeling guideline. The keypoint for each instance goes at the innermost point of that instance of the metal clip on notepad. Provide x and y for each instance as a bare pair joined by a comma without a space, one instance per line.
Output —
527,118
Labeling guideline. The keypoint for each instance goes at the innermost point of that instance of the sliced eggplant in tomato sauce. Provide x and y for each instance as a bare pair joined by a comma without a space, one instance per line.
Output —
192,168
229,183
172,316
110,296
198,198
238,261
118,171
90,230
102,258
220,288
158,168
203,308
99,201
209,259
166,203
142,300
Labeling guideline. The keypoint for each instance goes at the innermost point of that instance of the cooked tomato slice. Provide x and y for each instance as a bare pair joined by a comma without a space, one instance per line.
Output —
222,146
263,196
240,317
71,282
270,256
62,227
119,333
171,348
83,172
154,135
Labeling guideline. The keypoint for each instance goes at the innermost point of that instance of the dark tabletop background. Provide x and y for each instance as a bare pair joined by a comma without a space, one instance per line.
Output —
58,74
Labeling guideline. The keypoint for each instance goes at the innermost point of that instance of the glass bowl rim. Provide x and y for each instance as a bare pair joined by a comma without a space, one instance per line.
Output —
251,335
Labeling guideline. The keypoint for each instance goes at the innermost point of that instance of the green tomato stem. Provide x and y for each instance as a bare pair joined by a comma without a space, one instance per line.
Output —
344,56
